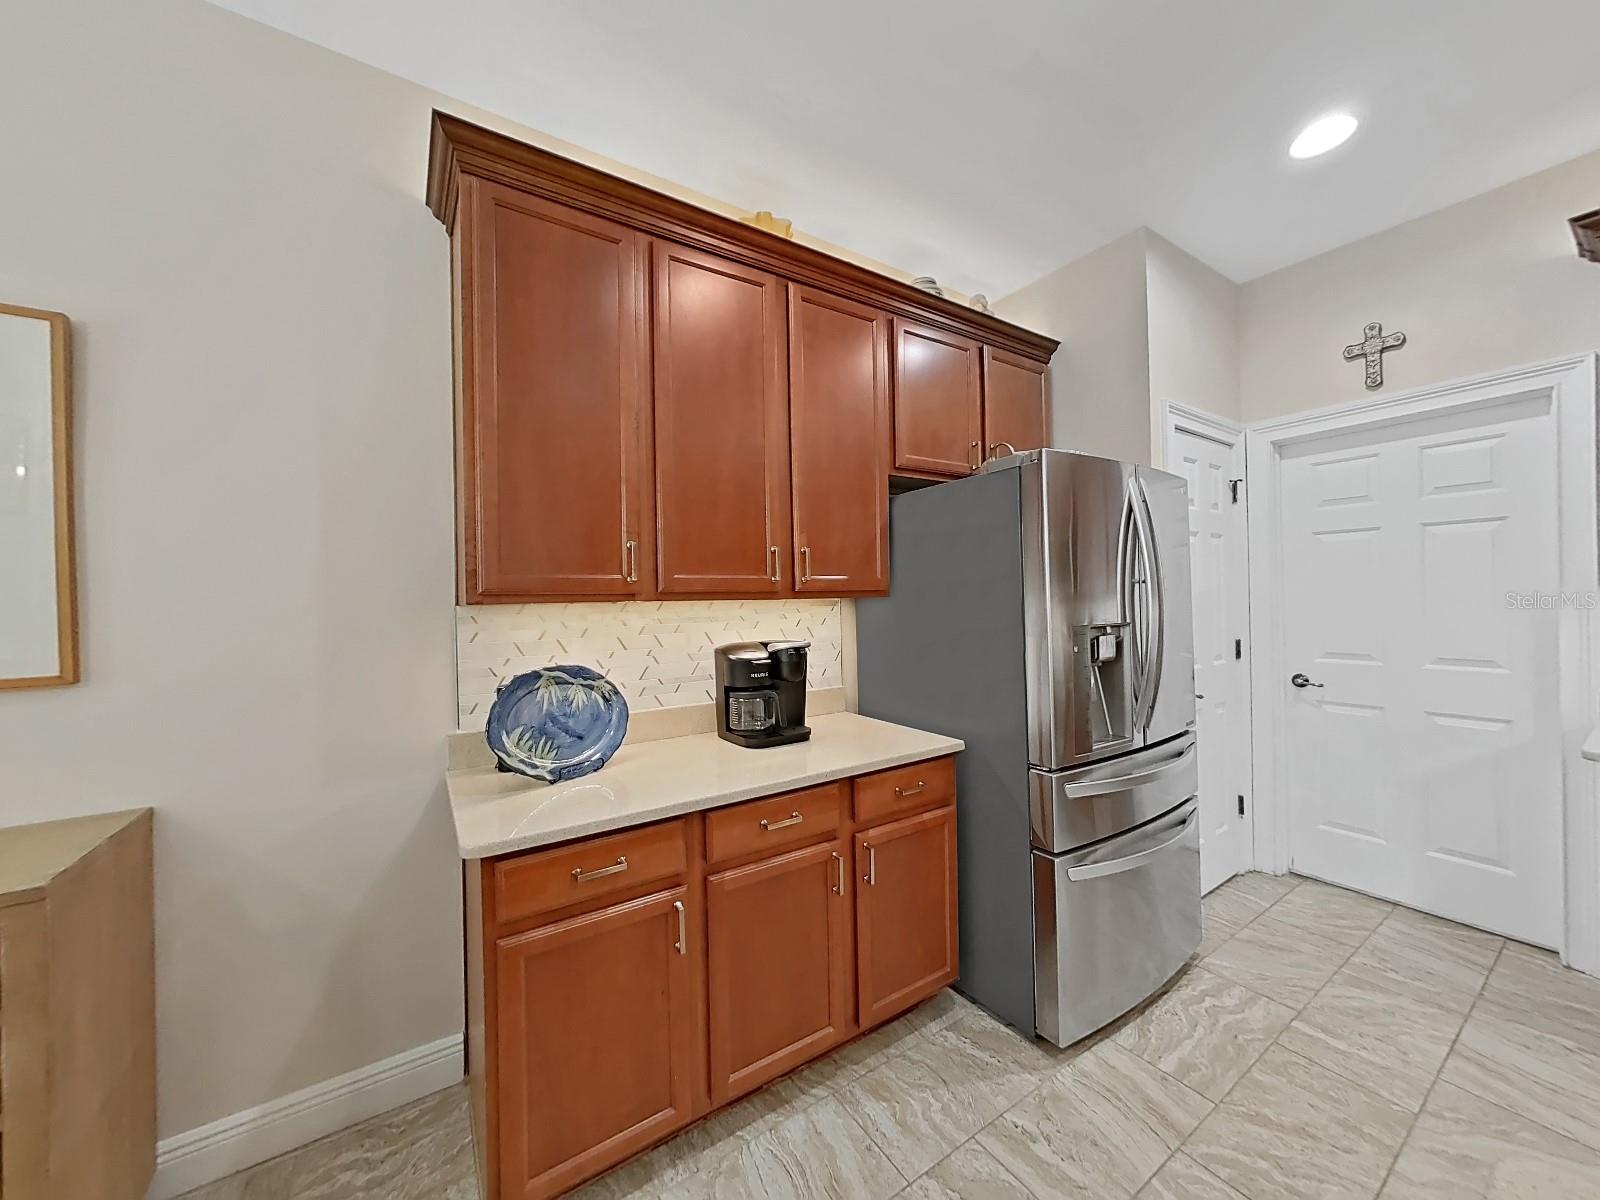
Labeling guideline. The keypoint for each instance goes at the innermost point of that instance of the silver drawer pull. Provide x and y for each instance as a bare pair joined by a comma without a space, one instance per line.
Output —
872,864
793,818
579,875
838,884
682,944
922,786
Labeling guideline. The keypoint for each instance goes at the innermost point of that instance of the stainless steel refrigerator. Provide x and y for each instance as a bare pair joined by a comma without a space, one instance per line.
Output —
1040,611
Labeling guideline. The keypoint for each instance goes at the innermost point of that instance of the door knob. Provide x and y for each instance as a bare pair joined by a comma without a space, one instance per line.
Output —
1301,680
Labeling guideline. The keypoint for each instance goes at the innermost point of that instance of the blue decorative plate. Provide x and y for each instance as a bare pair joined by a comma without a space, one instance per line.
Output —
557,723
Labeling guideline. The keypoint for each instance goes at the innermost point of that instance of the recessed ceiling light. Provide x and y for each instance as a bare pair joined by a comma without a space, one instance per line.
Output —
1323,135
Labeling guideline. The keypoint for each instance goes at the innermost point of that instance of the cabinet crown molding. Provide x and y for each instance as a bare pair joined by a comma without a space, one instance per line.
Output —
458,147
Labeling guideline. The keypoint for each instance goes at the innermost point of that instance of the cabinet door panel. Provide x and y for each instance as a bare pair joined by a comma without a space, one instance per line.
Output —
556,329
840,433
721,426
596,1029
937,401
905,912
778,935
1013,403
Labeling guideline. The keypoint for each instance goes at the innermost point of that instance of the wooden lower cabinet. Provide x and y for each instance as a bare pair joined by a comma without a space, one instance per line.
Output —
682,965
778,960
596,1041
906,913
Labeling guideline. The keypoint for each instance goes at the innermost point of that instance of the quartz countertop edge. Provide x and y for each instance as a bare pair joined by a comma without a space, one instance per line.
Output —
498,813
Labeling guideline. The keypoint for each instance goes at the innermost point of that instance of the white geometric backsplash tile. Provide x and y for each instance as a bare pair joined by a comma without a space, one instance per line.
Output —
657,651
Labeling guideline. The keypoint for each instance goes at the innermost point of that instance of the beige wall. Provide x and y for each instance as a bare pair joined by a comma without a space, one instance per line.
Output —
1100,377
234,221
1194,336
1489,283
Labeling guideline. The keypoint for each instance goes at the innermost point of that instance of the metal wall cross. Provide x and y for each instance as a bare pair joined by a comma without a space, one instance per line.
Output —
1371,348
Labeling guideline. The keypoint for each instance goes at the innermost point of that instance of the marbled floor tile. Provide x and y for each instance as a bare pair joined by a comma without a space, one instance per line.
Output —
1428,959
1546,994
1465,1148
1389,1043
272,1180
703,1145
1206,1031
1098,1129
819,1154
1334,913
969,1173
1282,962
421,1152
854,1059
1293,1129
1546,1078
921,1105
1260,887
1184,1179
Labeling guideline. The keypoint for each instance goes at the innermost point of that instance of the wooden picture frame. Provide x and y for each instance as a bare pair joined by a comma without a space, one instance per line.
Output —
1586,232
58,453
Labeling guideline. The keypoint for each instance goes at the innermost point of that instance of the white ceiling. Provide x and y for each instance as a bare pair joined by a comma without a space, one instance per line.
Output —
988,143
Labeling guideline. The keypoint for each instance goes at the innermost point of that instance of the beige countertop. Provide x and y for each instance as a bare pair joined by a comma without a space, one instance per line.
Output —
496,813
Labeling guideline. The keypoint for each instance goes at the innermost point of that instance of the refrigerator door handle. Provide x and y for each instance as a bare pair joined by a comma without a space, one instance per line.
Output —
1155,631
1133,862
1121,783
1127,537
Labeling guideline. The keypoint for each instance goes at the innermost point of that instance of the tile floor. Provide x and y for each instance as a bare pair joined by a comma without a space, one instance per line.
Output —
1321,1044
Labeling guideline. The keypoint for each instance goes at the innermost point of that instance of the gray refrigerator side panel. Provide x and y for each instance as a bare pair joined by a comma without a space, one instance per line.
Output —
945,652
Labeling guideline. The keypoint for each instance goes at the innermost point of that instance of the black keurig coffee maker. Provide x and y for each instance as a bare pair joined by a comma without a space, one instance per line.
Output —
761,693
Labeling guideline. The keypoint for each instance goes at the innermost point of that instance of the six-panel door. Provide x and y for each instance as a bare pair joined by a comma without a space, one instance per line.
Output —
721,426
596,1024
779,969
938,401
1013,403
839,442
555,318
905,912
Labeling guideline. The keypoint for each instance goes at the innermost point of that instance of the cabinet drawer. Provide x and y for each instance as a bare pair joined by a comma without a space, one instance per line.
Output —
908,789
773,823
587,870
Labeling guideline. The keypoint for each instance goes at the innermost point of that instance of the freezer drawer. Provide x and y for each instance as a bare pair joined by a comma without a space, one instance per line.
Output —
1068,809
1113,922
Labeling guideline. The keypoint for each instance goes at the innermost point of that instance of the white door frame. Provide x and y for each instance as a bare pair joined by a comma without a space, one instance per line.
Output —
1571,385
1181,418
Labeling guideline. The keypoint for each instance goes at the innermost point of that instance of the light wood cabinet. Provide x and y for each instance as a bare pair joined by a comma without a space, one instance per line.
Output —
938,401
721,426
620,987
840,436
77,1009
1013,403
596,1029
555,365
778,956
906,912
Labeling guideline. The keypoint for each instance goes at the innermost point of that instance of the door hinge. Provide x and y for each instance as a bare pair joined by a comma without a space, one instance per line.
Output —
1241,806
1238,649
1233,487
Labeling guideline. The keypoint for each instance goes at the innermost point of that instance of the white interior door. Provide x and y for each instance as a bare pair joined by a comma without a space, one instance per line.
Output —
1218,556
1423,755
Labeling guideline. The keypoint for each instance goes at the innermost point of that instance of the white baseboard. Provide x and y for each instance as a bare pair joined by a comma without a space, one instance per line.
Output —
200,1156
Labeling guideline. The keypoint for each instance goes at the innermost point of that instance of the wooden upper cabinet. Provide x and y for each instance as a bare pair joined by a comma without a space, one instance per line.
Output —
938,401
840,437
905,912
1013,403
721,426
597,1031
779,971
554,343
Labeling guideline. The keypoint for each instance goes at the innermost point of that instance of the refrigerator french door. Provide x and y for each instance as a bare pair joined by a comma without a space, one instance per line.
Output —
1039,611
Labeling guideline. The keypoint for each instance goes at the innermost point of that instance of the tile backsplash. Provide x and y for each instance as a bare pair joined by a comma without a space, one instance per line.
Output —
657,652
